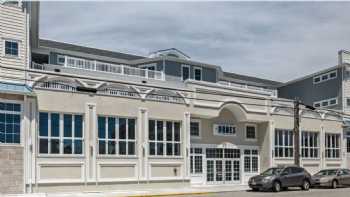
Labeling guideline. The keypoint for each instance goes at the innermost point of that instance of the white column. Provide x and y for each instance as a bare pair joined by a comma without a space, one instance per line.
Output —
140,143
322,148
186,144
90,142
146,168
271,131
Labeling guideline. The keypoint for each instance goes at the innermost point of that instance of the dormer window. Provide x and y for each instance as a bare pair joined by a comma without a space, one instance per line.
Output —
198,74
61,59
185,72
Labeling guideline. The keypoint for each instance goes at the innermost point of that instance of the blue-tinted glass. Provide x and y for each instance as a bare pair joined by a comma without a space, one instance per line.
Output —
9,128
177,131
152,148
43,124
17,118
67,146
101,147
78,147
14,45
55,146
17,128
131,148
9,118
2,106
9,138
122,128
131,129
67,122
111,147
78,126
9,107
159,130
43,146
2,137
101,127
8,44
151,130
122,148
2,117
111,128
17,107
55,124
17,138
2,127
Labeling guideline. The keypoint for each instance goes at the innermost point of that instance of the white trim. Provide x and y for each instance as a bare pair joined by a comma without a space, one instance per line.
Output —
61,56
328,75
199,136
194,73
189,72
256,132
230,126
4,40
328,102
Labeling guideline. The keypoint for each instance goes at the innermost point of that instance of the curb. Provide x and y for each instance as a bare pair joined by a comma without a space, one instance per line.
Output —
183,193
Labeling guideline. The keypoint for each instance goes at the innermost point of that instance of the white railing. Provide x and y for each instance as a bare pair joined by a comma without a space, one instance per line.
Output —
56,85
92,65
248,87
117,92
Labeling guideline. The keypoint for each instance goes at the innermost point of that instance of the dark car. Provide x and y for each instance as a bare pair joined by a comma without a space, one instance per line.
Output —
281,178
332,178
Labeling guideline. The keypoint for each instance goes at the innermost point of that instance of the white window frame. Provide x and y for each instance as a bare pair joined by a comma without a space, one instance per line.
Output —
164,141
61,63
199,136
193,156
332,145
194,73
255,129
61,137
147,66
21,120
328,74
283,146
216,129
4,47
251,156
309,148
328,102
189,71
116,139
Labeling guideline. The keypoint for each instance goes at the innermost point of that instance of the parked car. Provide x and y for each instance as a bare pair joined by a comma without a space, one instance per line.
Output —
281,178
332,178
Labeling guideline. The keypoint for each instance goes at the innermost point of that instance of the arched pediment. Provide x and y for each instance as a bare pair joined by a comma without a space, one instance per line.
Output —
237,109
118,90
165,95
57,83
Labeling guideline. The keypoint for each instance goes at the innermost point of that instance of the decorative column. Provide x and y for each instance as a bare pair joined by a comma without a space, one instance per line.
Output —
90,142
141,143
186,144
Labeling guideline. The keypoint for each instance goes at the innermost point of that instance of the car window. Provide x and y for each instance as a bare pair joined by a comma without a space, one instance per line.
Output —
344,172
297,170
286,171
327,173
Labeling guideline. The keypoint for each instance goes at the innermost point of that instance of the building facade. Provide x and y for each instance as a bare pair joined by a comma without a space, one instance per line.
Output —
325,89
92,119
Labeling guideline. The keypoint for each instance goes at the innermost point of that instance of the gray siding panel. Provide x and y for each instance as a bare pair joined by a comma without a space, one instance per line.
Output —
309,92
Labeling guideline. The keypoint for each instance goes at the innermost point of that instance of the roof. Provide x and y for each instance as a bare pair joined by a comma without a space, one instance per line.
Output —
87,50
12,88
233,77
170,50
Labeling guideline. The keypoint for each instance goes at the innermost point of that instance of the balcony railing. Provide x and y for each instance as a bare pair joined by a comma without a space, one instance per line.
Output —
92,65
272,92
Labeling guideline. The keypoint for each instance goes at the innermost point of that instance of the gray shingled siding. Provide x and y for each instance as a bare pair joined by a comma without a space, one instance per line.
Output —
11,169
309,92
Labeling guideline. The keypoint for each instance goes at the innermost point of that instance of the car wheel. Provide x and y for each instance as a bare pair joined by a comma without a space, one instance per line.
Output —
306,185
334,184
276,187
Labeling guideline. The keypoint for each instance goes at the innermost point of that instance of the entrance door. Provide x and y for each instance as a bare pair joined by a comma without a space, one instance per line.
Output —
223,166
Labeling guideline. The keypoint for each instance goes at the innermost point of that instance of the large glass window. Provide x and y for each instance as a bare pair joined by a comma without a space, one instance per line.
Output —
164,138
332,143
309,144
60,133
116,136
195,128
10,123
251,161
196,157
283,143
11,48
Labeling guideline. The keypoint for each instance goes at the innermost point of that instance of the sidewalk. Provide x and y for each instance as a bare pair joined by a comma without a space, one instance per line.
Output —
194,189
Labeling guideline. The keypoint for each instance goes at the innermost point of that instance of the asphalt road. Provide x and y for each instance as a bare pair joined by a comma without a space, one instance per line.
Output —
340,192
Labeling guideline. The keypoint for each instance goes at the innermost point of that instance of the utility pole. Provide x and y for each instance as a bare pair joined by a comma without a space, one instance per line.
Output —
296,132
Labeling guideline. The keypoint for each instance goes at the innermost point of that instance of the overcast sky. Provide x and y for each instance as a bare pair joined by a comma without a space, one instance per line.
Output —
278,41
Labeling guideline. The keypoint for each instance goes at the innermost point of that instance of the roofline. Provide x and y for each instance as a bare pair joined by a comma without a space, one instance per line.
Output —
171,49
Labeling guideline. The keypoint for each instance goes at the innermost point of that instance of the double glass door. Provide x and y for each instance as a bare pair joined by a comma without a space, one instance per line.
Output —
223,166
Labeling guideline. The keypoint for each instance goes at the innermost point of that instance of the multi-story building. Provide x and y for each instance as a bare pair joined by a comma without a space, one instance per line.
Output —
98,119
325,89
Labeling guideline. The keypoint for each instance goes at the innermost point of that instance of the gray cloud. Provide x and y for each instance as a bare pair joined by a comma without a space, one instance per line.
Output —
278,41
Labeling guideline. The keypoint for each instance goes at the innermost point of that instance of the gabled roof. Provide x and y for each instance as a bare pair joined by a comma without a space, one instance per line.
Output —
167,52
87,50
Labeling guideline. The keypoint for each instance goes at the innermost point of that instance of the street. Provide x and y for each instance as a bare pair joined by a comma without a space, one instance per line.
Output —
340,192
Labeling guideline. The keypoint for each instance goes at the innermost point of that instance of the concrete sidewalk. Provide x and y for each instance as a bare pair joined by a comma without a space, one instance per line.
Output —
194,189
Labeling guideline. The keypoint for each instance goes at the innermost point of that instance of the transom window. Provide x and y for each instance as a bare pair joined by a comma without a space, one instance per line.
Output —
198,74
250,132
251,160
196,158
164,138
222,153
116,136
11,48
332,145
224,129
10,123
195,128
60,133
283,143
309,144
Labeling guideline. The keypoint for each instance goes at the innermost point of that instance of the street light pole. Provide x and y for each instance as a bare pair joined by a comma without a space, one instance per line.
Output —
296,132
